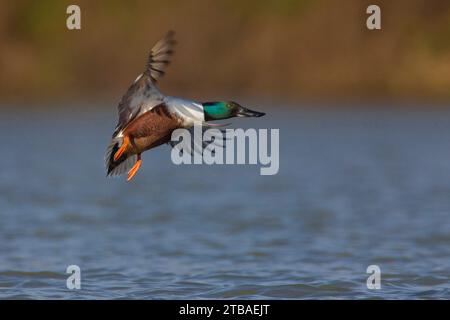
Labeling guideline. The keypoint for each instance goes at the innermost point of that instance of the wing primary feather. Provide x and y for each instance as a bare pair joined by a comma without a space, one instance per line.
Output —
160,56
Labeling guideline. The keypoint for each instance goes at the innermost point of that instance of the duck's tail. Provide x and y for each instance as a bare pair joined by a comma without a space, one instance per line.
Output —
121,165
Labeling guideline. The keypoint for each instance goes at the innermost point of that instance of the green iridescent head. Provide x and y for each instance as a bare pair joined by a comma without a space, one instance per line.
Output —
227,109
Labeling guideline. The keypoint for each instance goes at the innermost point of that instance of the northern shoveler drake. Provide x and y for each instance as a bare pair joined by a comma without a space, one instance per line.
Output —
147,117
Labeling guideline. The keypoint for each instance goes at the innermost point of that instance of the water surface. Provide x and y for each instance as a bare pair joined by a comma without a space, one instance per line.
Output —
355,188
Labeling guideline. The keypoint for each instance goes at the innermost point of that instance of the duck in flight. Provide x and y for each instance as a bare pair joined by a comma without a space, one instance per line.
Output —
147,117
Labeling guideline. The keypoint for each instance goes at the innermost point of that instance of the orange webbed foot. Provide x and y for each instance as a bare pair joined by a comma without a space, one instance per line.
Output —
135,168
122,148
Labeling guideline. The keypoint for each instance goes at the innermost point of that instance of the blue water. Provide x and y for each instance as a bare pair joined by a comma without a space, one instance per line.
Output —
355,188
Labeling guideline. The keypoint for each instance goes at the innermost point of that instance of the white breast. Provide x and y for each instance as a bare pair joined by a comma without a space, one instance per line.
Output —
191,112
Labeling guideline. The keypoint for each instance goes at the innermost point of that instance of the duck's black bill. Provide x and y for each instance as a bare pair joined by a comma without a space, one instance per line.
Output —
244,112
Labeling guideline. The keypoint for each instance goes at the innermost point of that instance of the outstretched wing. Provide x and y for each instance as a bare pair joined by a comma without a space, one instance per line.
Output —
143,94
160,56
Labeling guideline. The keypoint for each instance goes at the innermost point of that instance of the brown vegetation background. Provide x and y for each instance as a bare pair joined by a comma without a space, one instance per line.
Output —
284,49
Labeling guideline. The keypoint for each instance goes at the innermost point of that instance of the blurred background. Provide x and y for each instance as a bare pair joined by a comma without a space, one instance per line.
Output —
364,151
286,49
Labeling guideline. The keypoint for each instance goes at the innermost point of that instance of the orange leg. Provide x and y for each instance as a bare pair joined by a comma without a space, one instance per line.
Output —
122,148
135,168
